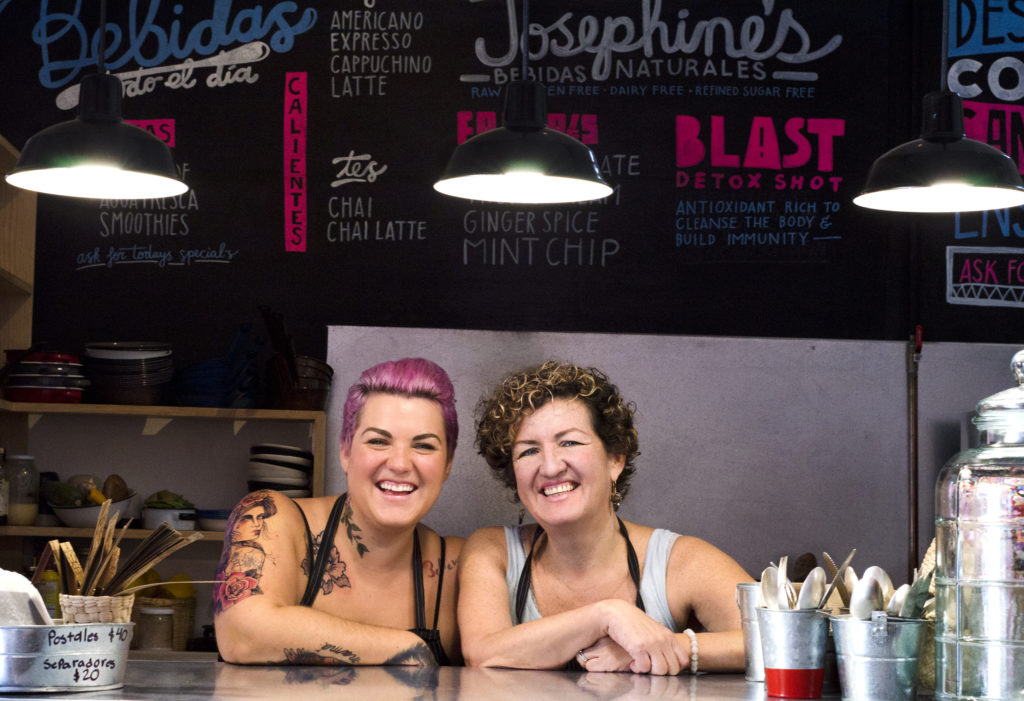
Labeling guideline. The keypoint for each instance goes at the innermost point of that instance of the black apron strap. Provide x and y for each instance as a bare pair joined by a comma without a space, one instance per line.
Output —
417,580
440,585
417,583
634,565
523,590
319,564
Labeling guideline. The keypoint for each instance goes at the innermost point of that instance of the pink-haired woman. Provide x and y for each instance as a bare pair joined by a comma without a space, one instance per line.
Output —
354,579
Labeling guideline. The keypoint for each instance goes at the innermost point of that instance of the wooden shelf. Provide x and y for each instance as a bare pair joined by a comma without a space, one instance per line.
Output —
168,412
317,420
66,533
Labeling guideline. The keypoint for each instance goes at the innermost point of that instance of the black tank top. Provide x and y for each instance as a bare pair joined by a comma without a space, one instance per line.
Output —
431,636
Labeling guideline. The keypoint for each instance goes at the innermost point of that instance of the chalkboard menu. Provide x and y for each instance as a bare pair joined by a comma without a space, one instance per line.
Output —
972,286
735,135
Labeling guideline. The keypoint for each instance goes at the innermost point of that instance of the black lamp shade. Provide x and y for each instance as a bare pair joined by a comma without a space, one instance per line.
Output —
523,161
943,171
97,155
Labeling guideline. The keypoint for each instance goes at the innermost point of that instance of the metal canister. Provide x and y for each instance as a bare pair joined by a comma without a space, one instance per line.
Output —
748,598
979,568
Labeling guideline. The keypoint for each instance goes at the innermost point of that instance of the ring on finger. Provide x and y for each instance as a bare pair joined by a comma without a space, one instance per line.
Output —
583,659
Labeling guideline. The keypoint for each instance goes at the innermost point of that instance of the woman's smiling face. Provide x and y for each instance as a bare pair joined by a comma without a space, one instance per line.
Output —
398,459
563,472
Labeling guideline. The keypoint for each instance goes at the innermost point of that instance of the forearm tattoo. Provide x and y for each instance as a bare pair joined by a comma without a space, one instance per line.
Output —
335,655
243,557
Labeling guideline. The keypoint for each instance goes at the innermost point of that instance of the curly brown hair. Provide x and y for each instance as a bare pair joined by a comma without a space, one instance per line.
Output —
500,415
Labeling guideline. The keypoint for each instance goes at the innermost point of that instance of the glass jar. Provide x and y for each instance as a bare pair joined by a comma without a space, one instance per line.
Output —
155,628
23,499
979,556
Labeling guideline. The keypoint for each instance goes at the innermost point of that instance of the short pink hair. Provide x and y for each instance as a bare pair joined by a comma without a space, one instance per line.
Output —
408,377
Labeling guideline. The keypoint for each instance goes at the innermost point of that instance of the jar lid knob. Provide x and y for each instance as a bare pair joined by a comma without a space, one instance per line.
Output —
1017,365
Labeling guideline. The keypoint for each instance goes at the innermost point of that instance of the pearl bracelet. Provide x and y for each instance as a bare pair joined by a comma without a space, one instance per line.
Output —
694,649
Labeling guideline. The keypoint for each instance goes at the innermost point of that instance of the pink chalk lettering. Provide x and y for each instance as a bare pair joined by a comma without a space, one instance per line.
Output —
163,129
294,141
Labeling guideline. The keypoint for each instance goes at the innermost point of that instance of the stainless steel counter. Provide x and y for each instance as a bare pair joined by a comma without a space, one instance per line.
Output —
205,679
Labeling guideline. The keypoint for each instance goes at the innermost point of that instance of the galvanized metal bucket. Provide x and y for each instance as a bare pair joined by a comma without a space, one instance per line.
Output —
748,598
793,646
878,658
73,657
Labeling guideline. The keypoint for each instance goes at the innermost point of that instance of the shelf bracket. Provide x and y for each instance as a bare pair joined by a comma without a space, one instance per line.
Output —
155,424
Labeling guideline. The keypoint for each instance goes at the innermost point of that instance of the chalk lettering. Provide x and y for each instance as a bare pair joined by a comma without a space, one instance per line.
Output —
759,37
145,42
805,140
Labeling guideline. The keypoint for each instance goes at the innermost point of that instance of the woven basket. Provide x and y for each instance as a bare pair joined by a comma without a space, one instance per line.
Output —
182,620
96,609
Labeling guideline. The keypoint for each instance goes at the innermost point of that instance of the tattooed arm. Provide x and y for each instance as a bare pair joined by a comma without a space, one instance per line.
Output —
257,616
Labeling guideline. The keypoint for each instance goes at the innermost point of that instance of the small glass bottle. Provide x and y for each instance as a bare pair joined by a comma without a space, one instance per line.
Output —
49,589
23,501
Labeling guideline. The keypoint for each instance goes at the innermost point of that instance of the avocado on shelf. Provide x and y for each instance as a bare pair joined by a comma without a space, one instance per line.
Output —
166,499
62,494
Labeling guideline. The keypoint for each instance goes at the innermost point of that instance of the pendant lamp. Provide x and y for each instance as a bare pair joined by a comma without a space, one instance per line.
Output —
943,170
97,155
523,161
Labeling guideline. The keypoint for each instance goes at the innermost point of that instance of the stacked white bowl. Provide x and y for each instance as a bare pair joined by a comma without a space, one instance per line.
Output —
125,372
284,468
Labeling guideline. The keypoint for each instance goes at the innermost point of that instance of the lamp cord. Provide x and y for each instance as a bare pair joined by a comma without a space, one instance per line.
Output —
944,58
101,48
524,41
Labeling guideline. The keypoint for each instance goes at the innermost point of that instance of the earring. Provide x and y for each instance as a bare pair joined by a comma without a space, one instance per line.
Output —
522,514
616,498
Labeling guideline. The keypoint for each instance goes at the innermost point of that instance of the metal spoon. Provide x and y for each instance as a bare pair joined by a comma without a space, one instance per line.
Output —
895,604
878,574
812,589
849,580
770,587
865,598
787,594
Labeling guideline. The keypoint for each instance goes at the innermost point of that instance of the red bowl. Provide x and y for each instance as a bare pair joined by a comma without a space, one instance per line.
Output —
52,395
41,357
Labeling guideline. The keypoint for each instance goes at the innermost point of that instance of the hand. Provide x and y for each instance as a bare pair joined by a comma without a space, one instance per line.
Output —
653,648
605,656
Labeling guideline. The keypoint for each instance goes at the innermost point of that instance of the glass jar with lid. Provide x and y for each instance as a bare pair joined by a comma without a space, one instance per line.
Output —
23,490
979,569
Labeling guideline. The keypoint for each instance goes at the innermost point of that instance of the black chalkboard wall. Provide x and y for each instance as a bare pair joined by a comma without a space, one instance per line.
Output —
311,133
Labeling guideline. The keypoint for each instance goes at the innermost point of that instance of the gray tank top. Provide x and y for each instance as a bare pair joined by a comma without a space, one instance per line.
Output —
652,581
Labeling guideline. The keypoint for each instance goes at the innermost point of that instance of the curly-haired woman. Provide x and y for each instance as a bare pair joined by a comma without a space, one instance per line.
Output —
582,585
373,585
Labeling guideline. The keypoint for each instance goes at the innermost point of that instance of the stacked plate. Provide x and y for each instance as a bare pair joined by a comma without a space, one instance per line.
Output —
125,372
284,468
43,376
